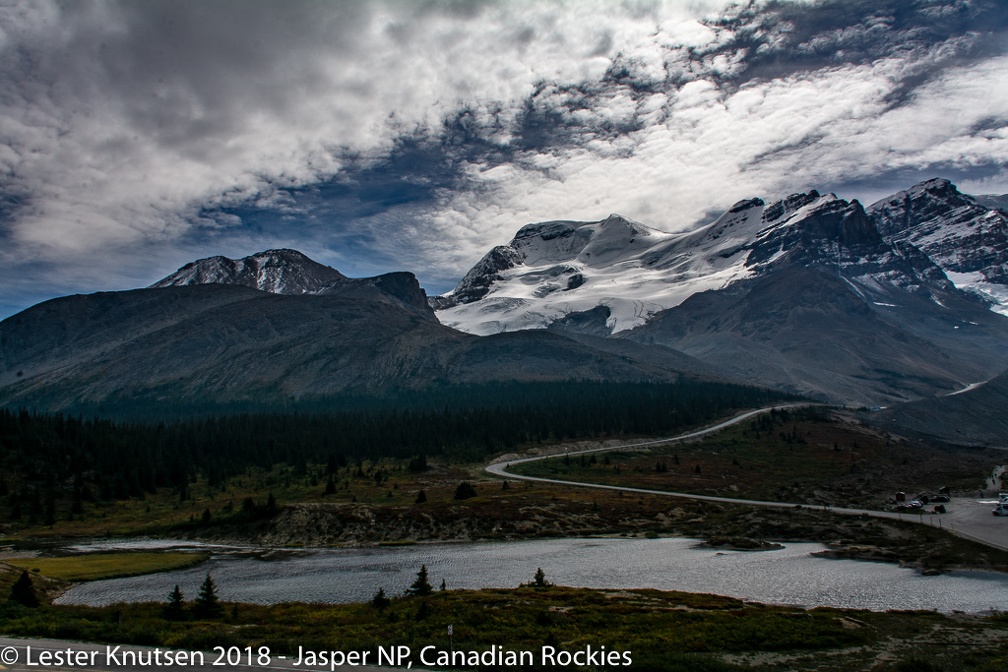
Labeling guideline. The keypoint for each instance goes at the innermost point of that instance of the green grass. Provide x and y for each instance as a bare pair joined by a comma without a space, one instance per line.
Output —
662,630
95,566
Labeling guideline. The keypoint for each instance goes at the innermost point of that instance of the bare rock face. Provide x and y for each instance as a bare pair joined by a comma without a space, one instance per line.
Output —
274,271
960,234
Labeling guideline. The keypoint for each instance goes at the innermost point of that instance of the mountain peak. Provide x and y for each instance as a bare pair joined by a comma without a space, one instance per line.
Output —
934,184
278,271
554,269
928,194
968,240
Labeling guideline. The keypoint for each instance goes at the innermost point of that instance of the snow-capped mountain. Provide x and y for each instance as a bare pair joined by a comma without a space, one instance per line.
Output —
291,273
555,269
274,271
966,238
806,294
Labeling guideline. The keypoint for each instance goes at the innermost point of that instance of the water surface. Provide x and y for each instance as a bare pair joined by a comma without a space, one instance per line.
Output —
791,575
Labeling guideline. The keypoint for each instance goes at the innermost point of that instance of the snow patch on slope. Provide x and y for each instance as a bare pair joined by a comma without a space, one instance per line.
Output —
565,267
976,283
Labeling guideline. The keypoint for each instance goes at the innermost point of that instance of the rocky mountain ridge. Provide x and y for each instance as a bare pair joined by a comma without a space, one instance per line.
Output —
966,239
553,269
811,293
280,271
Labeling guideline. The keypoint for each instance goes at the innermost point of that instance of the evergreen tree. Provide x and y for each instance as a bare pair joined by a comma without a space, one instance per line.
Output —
176,604
539,580
421,587
380,600
418,464
23,591
207,603
330,487
50,508
421,497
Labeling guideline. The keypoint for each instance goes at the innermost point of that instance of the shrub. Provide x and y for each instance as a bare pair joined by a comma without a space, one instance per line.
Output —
23,591
465,490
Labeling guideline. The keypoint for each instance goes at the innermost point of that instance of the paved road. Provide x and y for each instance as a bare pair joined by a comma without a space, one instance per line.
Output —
966,517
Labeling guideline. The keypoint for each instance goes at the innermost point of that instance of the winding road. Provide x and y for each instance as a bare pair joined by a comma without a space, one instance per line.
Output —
972,524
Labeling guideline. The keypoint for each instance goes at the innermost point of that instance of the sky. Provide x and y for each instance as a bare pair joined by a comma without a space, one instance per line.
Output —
415,135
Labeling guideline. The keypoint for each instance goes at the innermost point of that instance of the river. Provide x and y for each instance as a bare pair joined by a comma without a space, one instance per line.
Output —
790,576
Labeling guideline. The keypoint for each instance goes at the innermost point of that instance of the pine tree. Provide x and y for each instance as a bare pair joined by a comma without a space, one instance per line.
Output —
539,580
380,600
330,487
23,591
207,603
421,587
418,464
176,603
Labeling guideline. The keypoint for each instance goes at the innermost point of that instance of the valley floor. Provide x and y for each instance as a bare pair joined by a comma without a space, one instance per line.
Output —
817,459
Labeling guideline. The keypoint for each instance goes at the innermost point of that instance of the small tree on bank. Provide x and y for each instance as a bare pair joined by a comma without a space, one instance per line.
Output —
539,580
421,587
176,604
380,600
23,591
207,603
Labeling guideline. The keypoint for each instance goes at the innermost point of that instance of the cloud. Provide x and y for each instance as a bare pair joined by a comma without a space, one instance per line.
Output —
384,135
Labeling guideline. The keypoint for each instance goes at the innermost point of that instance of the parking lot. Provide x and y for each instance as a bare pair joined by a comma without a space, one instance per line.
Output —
971,517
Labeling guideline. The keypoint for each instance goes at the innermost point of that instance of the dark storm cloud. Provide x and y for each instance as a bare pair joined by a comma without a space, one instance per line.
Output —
385,135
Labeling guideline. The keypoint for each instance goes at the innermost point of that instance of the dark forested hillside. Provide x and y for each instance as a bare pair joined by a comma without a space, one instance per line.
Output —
54,463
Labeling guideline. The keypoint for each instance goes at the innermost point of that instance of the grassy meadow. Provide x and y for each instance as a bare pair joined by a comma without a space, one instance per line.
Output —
661,630
95,566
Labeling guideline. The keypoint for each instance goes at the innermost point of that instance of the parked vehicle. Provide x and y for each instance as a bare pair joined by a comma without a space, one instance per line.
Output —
1001,509
941,499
